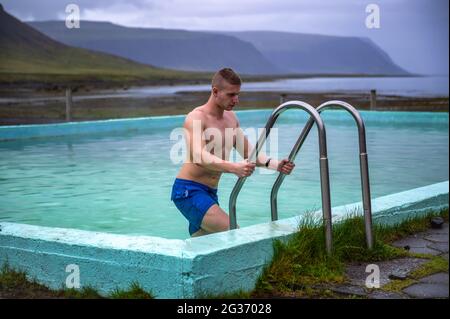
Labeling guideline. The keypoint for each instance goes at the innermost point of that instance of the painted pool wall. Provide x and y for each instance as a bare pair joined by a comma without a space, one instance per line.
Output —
106,262
398,207
14,132
170,268
232,261
166,268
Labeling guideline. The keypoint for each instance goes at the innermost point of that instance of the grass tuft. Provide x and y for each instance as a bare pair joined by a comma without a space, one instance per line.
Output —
435,265
135,292
15,284
302,261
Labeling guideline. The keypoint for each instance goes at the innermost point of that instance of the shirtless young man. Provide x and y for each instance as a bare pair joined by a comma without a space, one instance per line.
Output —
194,191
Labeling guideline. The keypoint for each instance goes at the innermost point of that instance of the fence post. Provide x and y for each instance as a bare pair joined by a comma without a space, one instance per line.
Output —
373,100
68,104
282,98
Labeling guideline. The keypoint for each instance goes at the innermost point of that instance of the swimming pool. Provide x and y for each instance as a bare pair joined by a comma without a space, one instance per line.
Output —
120,182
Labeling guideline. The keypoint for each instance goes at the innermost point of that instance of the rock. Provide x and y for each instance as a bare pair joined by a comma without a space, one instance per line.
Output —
442,247
424,250
438,278
380,294
437,238
350,290
397,275
424,290
409,242
437,222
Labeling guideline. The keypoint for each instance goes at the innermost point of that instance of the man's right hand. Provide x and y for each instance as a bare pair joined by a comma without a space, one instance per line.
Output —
244,169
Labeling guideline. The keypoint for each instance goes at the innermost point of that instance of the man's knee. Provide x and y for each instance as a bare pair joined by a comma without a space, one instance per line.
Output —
200,232
215,220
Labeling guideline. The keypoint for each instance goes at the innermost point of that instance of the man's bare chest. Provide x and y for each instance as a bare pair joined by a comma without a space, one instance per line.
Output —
223,133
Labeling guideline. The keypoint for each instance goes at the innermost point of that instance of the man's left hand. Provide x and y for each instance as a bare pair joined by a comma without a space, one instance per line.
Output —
285,166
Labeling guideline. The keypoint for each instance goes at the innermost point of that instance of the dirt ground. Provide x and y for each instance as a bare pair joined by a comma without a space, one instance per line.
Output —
51,110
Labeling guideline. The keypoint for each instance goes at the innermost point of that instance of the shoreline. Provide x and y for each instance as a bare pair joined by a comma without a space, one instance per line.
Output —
59,82
53,111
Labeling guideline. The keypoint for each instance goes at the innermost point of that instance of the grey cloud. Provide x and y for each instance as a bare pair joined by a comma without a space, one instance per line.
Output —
413,32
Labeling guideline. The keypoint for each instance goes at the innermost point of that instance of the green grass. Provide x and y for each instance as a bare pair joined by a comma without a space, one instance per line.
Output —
15,284
240,294
435,265
302,262
408,227
27,56
135,292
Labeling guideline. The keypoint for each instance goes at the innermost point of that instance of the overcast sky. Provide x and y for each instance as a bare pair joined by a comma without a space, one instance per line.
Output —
413,32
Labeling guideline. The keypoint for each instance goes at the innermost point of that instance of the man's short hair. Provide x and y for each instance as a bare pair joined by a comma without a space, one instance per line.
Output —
225,74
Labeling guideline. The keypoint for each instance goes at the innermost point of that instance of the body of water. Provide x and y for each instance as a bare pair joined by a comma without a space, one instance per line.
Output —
403,86
121,182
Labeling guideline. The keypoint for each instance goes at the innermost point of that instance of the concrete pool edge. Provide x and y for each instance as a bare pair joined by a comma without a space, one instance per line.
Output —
172,268
28,131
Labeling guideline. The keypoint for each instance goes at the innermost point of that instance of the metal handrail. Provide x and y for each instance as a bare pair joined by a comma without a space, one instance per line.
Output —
364,168
324,174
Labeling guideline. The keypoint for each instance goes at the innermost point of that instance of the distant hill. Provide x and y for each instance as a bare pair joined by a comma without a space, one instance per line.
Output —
259,52
173,49
28,55
315,54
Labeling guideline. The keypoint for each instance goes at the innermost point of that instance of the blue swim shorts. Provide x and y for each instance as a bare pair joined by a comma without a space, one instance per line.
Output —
193,200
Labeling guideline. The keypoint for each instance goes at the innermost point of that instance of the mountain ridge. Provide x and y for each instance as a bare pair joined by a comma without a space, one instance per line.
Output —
29,55
253,52
167,48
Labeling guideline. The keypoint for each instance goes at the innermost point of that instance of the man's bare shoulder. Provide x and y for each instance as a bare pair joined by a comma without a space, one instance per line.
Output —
195,114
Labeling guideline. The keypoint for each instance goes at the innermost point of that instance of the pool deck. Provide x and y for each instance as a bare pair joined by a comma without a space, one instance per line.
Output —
433,242
171,268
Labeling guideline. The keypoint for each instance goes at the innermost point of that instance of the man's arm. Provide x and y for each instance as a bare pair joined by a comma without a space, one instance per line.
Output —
244,148
199,155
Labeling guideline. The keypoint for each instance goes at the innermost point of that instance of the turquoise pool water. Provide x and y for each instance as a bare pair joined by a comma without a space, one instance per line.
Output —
120,182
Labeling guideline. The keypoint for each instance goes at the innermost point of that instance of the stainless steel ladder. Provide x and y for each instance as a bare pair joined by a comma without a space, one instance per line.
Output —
324,173
363,162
